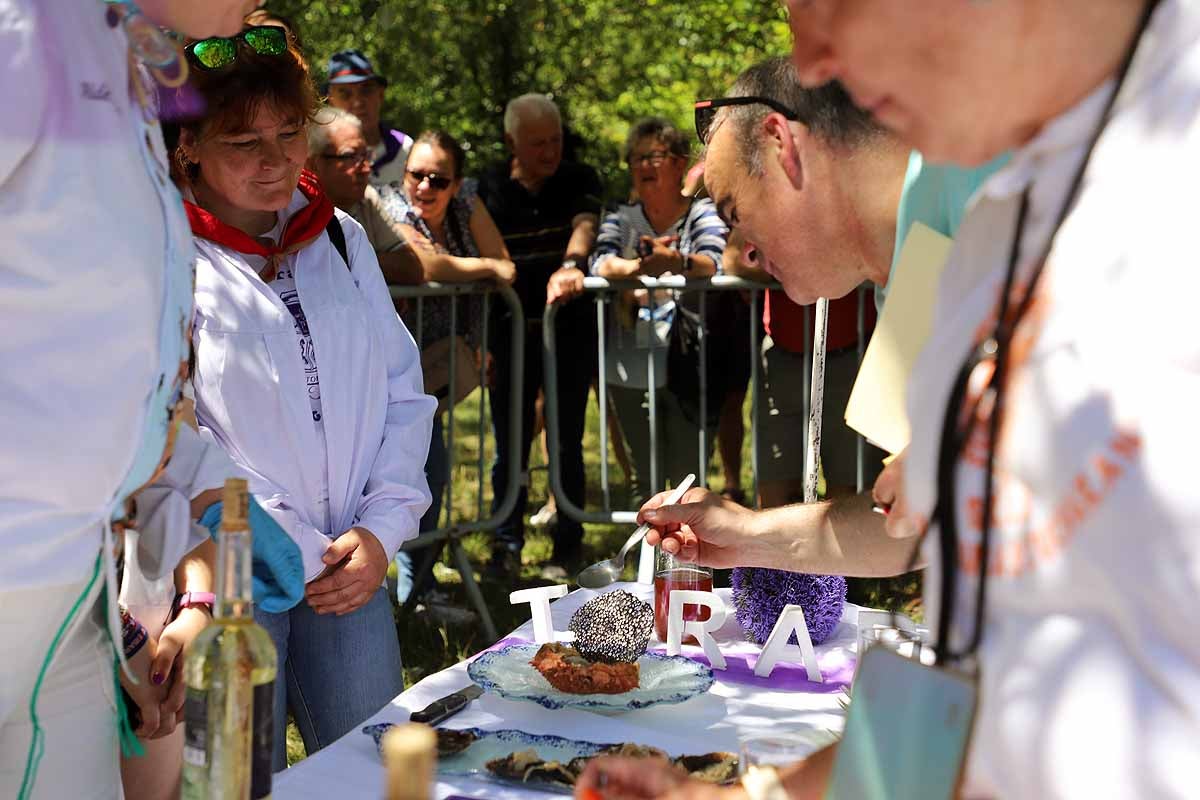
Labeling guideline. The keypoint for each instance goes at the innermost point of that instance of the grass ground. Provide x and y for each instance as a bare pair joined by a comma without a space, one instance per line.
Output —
429,646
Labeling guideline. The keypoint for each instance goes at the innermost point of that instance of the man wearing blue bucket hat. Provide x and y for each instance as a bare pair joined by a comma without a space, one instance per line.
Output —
353,85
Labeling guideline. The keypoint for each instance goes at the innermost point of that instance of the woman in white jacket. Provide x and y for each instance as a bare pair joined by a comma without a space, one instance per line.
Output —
305,375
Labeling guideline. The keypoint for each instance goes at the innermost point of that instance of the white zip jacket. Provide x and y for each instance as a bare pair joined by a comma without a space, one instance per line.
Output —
251,392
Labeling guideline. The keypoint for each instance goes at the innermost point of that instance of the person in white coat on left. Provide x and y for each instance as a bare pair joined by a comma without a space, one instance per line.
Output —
307,378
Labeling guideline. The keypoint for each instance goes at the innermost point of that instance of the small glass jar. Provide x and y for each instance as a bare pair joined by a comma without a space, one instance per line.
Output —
671,574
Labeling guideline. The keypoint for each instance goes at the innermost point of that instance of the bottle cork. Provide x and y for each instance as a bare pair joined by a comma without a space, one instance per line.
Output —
410,752
235,508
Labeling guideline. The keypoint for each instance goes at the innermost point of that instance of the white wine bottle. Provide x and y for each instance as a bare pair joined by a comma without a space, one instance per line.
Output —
410,753
230,677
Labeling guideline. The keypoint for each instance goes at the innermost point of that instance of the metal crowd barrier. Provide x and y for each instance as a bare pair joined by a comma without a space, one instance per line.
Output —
604,291
452,533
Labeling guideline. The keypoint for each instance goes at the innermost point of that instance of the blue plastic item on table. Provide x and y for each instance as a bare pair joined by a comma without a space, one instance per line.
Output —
278,566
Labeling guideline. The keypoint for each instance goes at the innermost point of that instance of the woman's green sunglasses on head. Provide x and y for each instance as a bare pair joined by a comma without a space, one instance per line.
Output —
217,52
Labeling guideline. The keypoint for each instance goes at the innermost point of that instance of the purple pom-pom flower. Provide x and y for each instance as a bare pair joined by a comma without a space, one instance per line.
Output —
759,596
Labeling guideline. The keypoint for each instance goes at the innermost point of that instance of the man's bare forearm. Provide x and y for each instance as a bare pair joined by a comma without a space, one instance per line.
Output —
834,537
583,236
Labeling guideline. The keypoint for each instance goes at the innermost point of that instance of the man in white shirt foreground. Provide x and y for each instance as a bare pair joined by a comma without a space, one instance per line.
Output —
1088,685
95,298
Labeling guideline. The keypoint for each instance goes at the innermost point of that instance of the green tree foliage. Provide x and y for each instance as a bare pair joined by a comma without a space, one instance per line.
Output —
453,64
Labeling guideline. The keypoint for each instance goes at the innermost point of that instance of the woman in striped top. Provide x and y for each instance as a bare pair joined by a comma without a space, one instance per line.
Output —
664,232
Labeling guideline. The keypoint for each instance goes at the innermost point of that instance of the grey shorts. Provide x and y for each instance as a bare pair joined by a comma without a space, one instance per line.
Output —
782,423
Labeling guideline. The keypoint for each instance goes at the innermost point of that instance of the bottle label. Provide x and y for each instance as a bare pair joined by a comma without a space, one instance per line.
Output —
195,728
263,743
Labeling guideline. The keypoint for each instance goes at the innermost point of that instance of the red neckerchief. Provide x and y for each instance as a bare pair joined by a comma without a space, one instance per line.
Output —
305,225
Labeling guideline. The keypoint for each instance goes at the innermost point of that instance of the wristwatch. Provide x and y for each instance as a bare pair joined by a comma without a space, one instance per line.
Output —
571,263
198,599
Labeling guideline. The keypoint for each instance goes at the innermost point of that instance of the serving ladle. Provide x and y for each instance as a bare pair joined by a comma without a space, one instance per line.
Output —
602,573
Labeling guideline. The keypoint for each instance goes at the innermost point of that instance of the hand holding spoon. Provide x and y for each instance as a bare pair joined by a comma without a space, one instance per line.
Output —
602,573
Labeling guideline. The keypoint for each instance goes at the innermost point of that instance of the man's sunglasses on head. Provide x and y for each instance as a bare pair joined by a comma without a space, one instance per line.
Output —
217,52
706,111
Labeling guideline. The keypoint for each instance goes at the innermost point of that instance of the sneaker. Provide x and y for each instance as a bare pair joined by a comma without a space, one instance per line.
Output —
545,516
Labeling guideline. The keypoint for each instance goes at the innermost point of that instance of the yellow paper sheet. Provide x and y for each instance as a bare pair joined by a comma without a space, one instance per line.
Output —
877,403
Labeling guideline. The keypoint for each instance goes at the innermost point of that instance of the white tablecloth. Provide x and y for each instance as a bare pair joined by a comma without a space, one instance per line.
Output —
350,767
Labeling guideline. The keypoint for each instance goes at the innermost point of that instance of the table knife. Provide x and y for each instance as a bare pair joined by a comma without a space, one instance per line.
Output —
451,704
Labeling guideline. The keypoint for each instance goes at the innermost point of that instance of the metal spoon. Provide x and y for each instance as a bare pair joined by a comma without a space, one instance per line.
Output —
602,573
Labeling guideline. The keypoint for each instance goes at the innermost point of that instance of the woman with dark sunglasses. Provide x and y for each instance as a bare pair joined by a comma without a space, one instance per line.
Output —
305,376
453,233
456,241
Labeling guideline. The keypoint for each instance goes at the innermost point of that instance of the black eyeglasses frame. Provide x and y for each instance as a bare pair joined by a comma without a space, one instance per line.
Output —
705,111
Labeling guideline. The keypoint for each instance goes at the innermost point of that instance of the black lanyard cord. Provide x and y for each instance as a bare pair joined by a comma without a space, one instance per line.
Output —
957,429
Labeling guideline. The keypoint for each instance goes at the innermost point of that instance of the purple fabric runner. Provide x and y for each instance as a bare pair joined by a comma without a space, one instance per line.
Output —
836,668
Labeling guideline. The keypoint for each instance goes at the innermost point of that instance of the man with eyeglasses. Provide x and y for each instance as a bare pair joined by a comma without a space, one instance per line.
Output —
824,198
340,158
355,86
547,210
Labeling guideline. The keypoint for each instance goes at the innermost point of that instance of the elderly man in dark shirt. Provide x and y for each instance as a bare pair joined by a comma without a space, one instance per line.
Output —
547,210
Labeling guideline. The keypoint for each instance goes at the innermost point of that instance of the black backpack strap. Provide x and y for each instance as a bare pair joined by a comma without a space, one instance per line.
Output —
338,237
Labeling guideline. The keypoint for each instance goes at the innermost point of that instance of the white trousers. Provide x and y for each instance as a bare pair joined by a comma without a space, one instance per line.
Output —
76,708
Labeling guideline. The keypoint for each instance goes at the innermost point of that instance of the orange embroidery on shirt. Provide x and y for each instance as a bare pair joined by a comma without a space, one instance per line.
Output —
1108,472
1011,507
1025,545
975,452
1084,490
969,557
1088,489
1044,544
1127,444
1070,512
1020,350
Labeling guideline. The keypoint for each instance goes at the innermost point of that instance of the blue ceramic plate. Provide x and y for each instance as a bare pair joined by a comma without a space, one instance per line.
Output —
490,745
664,679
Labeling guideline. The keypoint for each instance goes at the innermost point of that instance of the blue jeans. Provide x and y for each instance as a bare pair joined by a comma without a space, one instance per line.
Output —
334,672
407,563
